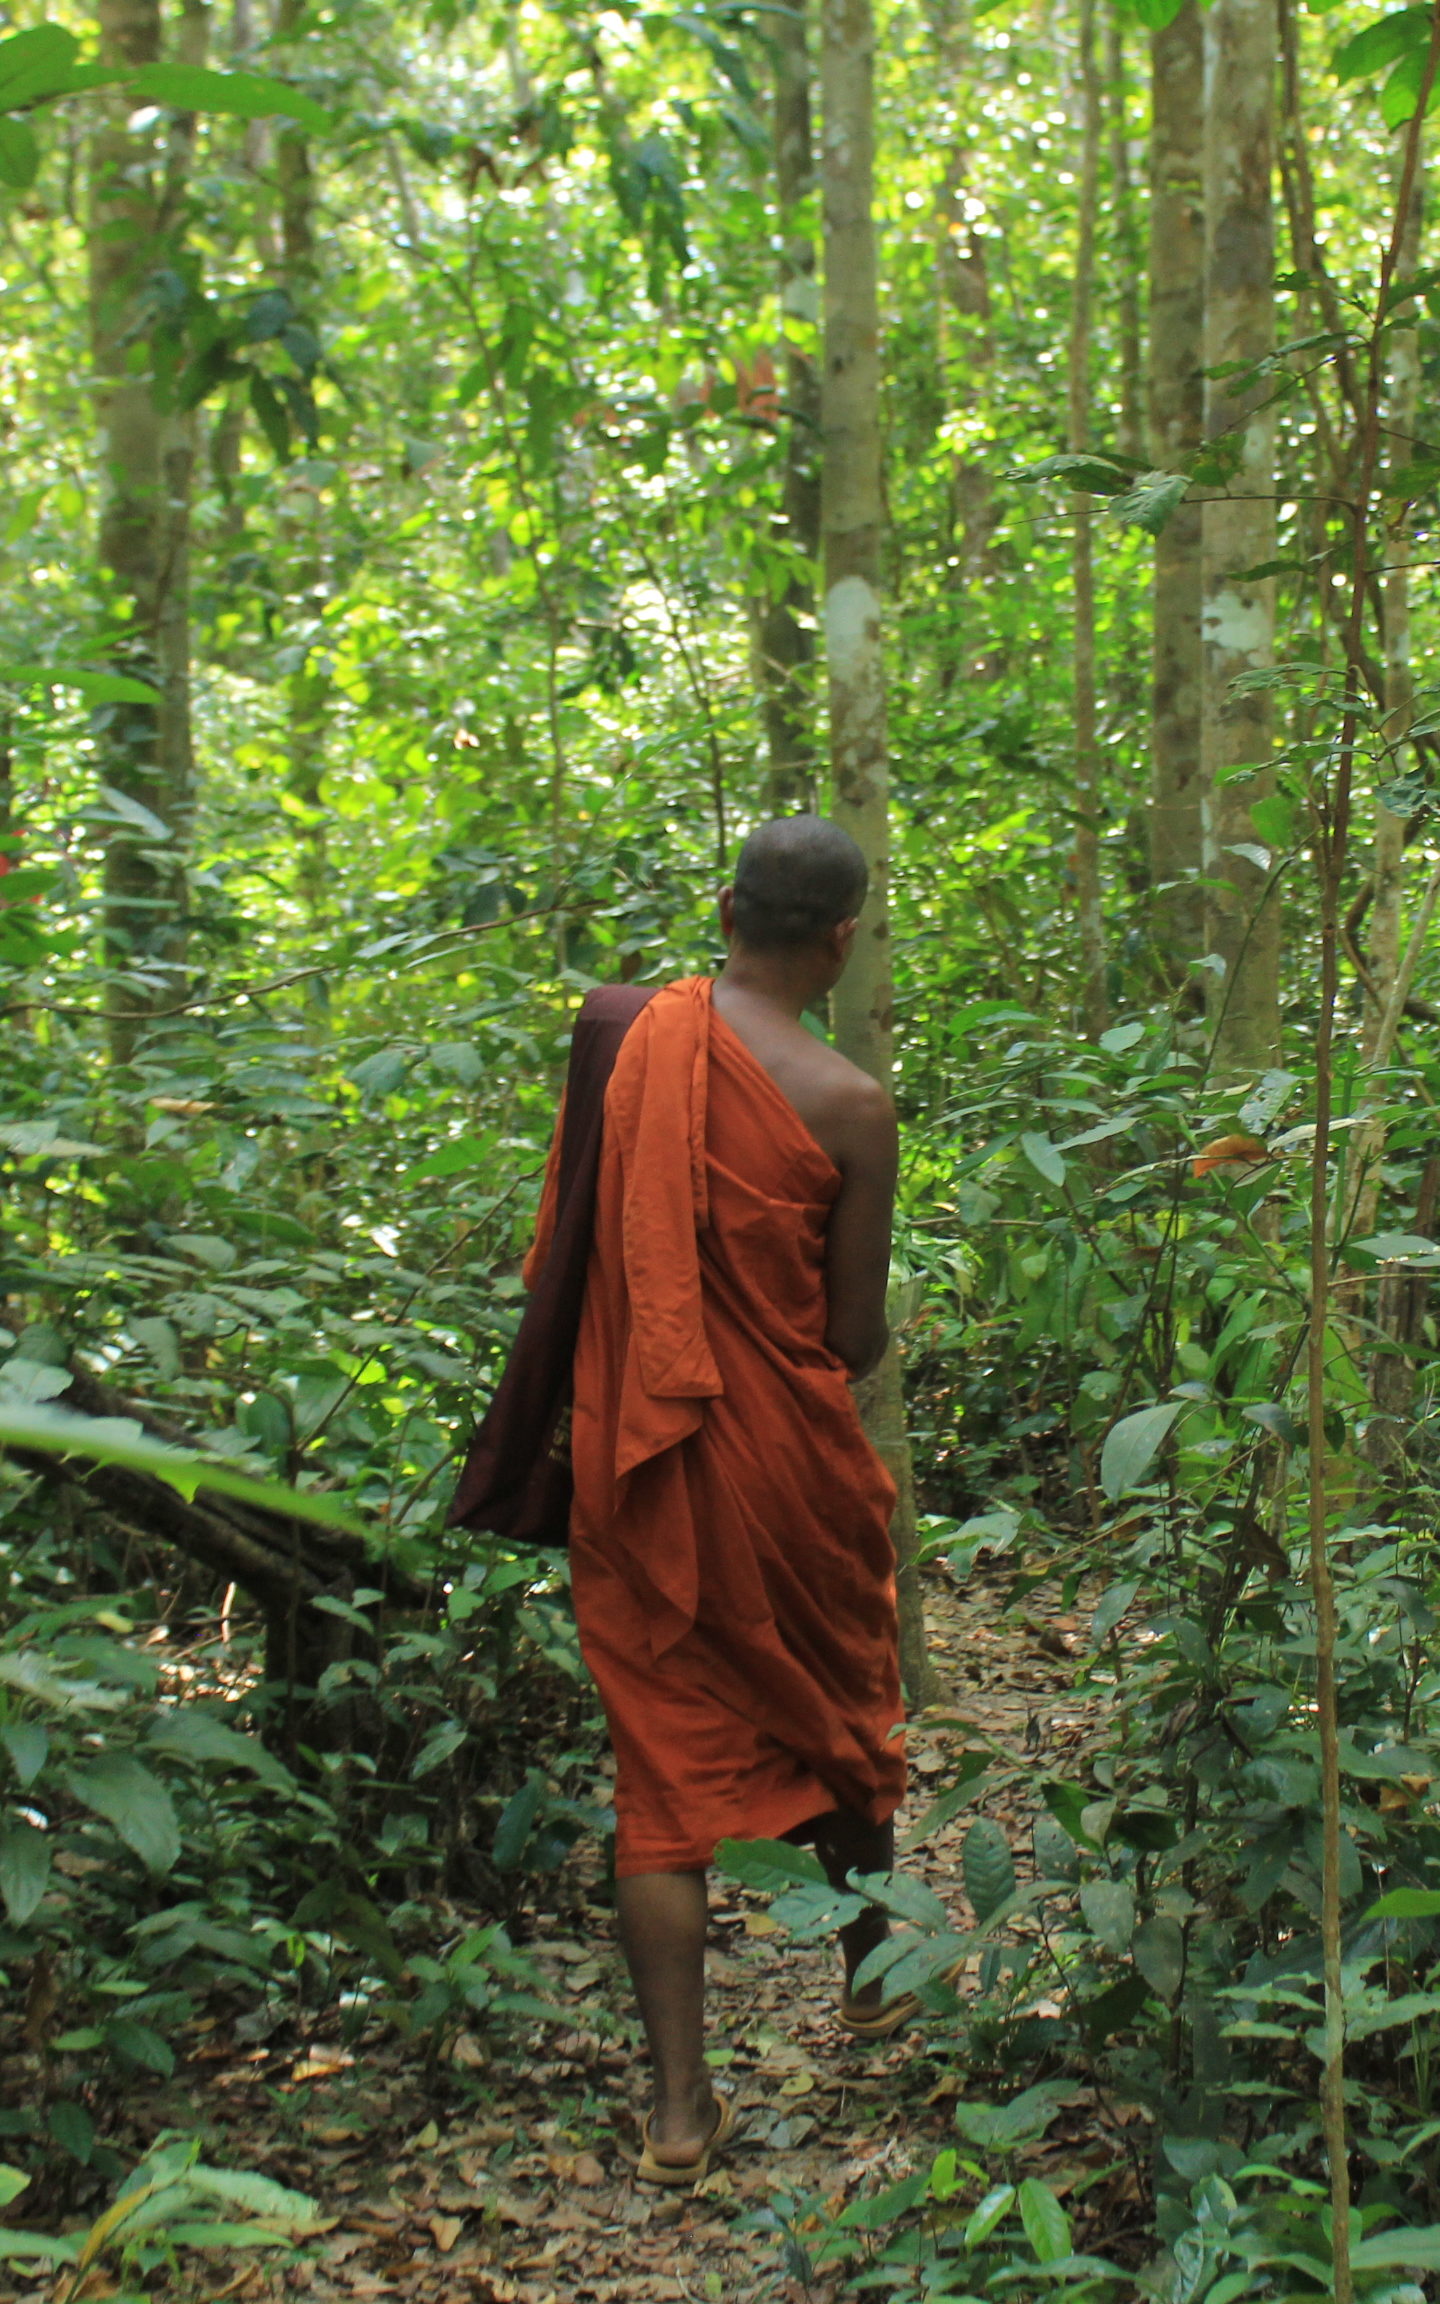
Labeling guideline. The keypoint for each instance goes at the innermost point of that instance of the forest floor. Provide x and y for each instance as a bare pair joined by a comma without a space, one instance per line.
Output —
507,2177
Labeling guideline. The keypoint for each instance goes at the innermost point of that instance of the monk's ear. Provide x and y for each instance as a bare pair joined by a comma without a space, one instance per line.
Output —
727,913
843,934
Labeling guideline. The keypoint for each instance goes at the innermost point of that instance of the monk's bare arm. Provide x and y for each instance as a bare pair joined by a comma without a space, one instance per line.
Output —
857,1256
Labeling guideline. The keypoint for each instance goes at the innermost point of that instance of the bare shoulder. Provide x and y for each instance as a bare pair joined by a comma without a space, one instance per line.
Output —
858,1114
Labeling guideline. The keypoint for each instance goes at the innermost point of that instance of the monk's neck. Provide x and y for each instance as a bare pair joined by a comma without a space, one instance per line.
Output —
773,981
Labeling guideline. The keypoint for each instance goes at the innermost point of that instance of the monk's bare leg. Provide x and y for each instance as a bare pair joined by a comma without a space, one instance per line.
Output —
847,1843
662,1929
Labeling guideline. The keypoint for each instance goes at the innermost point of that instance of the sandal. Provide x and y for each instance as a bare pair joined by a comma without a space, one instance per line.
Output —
891,2015
649,2170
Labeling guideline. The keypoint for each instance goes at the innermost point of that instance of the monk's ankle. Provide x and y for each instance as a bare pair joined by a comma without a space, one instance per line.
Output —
684,2116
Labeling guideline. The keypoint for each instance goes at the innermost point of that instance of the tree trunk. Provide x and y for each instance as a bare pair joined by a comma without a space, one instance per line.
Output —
1094,1003
1387,859
787,619
966,362
1176,412
1238,609
146,459
308,684
1127,252
852,528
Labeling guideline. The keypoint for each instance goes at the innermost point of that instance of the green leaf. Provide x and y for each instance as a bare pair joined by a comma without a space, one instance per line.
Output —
1109,1910
1158,1950
451,1159
260,2195
1406,1904
94,687
34,64
1415,2251
988,1867
1109,1609
48,2246
1149,501
1094,475
1391,1246
1000,2127
1381,43
1047,2227
28,1747
73,2130
1132,1445
24,1868
119,1440
1043,1157
990,2211
195,1735
382,1073
19,154
12,2183
117,1787
141,2044
270,415
769,1865
517,1818
238,95
1056,1856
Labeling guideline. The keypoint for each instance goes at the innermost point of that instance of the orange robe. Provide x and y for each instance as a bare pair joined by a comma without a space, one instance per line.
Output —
733,1574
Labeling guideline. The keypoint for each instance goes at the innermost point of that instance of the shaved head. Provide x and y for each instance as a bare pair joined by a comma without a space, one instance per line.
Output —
795,878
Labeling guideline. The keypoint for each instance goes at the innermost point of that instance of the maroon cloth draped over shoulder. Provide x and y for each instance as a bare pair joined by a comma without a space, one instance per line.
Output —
516,1479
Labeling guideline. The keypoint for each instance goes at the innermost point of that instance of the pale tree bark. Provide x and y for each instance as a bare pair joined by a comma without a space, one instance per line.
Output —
1400,1296
1094,1004
787,620
966,354
1176,412
852,524
137,189
1130,428
1388,853
1238,609
307,687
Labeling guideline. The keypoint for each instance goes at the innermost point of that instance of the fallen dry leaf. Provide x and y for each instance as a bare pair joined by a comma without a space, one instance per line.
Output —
446,2230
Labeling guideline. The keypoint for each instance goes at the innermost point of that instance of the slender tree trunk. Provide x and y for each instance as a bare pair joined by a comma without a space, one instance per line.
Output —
1094,1003
1387,858
966,360
146,458
1238,610
1176,411
308,685
852,519
1126,241
787,619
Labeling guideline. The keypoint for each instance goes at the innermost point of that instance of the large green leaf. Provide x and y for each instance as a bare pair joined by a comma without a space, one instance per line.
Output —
117,1787
242,95
1381,43
1109,1910
119,1440
1047,2227
988,1867
24,1868
1132,1445
769,1865
19,154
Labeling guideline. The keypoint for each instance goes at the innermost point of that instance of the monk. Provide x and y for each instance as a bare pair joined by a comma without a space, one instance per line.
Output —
729,1536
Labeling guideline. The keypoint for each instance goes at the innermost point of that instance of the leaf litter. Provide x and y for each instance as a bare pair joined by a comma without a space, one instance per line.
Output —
504,2174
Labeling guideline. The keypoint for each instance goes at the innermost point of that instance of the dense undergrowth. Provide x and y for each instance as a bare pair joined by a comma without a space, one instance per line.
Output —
296,1233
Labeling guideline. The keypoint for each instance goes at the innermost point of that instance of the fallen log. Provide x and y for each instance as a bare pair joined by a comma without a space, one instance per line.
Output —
285,1564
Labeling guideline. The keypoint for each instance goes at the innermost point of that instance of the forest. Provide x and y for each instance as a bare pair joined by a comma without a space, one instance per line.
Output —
466,464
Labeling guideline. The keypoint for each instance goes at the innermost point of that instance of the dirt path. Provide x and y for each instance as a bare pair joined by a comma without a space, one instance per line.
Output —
506,2178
